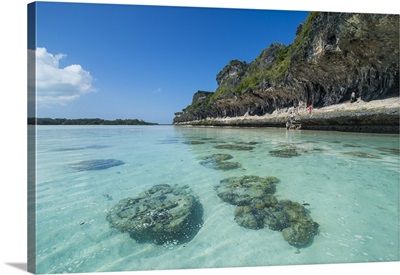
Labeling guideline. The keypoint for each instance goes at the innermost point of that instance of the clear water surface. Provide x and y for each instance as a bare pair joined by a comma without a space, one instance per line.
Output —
349,182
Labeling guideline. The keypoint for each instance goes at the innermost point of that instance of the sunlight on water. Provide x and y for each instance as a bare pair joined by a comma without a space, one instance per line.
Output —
347,183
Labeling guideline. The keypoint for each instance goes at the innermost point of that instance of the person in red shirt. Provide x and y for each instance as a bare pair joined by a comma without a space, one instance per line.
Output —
310,108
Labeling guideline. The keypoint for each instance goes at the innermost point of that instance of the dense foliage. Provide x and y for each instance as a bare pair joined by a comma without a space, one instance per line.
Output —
86,121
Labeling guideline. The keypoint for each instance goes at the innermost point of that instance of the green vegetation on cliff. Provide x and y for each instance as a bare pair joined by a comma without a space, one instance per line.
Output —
276,72
298,47
326,63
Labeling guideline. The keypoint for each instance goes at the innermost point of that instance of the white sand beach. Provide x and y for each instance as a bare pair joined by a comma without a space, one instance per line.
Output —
389,103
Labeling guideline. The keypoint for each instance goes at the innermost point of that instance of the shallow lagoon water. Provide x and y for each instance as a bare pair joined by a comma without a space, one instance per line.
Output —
349,183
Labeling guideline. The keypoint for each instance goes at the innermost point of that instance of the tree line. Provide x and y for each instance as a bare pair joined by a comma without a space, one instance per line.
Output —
86,121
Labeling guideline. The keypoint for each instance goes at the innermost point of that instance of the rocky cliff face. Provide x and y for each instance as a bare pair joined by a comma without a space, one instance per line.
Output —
199,108
232,73
333,56
348,53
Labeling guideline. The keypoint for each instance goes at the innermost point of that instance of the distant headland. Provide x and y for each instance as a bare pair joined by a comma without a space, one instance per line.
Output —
86,121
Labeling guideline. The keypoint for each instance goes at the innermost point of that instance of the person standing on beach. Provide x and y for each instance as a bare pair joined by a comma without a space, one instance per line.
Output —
291,117
310,109
353,97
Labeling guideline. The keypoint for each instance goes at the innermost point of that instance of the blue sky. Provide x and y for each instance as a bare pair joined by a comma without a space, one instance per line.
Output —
145,62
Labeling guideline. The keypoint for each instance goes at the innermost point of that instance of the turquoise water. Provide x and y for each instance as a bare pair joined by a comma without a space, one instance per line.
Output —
348,182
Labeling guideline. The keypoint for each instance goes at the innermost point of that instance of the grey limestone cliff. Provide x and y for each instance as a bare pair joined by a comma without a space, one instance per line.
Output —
333,56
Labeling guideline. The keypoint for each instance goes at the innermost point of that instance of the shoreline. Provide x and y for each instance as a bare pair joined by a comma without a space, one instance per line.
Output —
376,116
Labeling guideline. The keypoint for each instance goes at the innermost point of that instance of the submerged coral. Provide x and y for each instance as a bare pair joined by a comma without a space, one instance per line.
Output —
193,142
219,162
248,217
262,212
258,208
234,147
300,233
216,157
226,165
285,153
161,214
363,155
242,190
96,164
273,215
296,225
394,151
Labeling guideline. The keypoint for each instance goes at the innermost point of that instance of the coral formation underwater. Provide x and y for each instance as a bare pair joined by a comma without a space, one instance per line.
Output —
219,162
161,214
362,155
234,147
257,208
243,190
285,152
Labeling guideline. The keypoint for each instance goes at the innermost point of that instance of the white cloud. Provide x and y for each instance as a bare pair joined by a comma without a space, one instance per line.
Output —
55,85
156,91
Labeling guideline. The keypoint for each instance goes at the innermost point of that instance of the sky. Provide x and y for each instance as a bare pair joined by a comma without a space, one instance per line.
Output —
120,61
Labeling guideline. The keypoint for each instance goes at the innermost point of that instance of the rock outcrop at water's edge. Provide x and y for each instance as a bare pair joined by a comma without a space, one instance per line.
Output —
333,56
